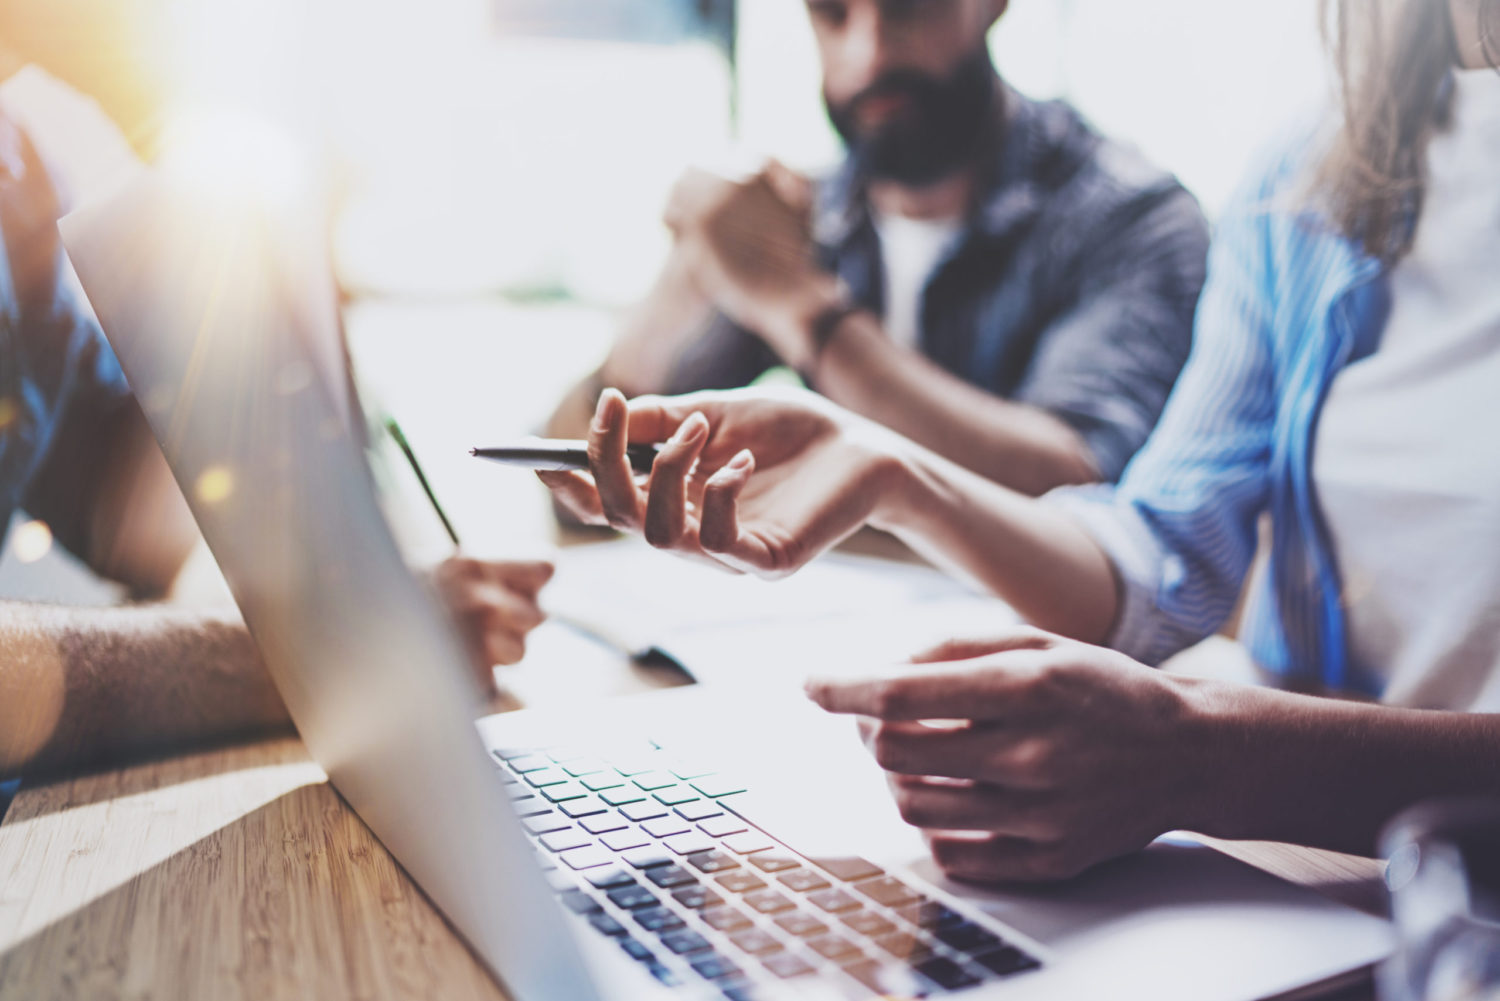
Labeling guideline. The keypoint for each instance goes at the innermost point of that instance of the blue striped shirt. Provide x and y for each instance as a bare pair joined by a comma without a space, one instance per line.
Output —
1288,303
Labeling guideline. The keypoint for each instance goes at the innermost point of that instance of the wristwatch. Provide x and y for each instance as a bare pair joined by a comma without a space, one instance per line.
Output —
822,330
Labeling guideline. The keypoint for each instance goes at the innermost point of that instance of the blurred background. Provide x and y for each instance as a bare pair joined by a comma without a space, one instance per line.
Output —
495,169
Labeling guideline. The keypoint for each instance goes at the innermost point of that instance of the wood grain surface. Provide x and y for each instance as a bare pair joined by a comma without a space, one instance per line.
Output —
228,874
239,874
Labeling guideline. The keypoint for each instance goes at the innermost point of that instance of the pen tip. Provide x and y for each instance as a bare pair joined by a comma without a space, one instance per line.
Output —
473,451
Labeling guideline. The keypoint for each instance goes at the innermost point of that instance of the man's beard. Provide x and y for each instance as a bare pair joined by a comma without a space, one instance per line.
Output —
938,133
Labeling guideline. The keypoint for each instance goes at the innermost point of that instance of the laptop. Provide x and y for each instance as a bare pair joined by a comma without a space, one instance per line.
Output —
703,842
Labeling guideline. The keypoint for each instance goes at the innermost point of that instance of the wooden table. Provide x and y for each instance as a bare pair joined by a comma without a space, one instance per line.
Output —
239,873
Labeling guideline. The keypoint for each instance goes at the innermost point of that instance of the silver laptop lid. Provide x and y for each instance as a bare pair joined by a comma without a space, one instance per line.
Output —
189,290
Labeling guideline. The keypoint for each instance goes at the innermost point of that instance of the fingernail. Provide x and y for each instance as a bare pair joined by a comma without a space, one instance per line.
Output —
691,430
742,459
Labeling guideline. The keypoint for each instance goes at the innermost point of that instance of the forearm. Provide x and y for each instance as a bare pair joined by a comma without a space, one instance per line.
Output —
1022,447
82,686
140,530
1034,557
1328,773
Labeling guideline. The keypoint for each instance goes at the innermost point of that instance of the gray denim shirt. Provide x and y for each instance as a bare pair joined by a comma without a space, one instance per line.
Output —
1072,287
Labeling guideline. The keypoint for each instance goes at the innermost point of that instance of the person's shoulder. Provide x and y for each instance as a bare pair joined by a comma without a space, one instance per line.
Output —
1086,170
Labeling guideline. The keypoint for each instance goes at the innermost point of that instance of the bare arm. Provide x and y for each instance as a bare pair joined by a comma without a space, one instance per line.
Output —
765,481
1330,773
86,685
1023,447
1096,755
140,531
1036,558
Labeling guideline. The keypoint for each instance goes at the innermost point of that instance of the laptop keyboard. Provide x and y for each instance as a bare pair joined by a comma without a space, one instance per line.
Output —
652,854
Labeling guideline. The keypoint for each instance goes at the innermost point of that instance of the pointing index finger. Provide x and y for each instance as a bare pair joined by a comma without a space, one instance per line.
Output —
943,691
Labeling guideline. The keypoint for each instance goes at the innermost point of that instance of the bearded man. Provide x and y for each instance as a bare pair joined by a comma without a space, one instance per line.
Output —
985,273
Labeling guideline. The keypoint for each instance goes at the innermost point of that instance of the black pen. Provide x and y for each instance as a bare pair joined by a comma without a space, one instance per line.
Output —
557,455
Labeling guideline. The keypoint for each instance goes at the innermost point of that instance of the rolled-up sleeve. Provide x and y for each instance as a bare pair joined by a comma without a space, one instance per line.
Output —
1180,527
1106,366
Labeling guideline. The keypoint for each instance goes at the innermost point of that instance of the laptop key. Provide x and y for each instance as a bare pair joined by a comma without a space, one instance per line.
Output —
561,793
748,843
646,858
623,841
674,795
586,858
683,942
741,882
631,897
546,823
884,979
801,925
756,942
698,809
608,879
768,902
604,780
835,948
658,919
602,823
713,861
787,965
1007,961
849,869
968,937
697,898
774,862
666,827
906,946
834,901
586,806
689,844
888,890
669,876
714,786
714,967
509,753
561,882
635,949
688,772
652,781
544,777
869,924
622,795
664,974
723,825
800,880
578,902
644,810
725,919
946,973
929,915
584,766
606,925
525,761
562,841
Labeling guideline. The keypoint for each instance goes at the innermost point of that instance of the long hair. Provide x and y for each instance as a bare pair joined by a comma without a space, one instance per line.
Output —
1391,58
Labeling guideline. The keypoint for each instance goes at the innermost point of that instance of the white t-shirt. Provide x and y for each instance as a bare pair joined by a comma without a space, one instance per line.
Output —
910,250
1407,465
